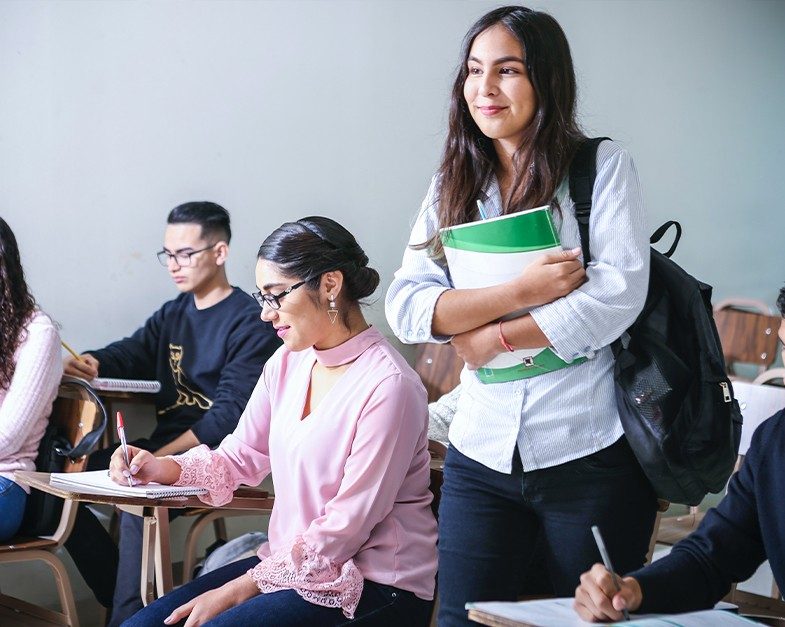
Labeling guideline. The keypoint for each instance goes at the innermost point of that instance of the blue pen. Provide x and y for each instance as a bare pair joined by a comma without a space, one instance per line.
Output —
481,207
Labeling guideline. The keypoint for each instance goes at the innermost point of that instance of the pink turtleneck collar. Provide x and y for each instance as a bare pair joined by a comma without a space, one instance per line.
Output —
350,350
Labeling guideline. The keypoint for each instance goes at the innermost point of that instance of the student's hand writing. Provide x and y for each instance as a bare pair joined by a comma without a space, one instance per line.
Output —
210,604
549,277
144,467
597,600
86,368
478,346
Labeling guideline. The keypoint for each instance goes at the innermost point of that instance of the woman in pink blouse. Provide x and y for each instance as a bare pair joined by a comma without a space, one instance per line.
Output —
340,420
30,372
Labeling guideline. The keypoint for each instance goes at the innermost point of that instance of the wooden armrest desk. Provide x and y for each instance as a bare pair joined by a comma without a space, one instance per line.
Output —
157,572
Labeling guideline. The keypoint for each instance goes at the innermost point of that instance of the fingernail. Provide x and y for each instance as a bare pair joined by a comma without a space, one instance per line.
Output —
134,469
168,620
126,473
575,251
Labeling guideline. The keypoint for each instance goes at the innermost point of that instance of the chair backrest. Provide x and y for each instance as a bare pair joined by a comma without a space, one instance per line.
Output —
748,333
439,368
438,452
757,403
771,375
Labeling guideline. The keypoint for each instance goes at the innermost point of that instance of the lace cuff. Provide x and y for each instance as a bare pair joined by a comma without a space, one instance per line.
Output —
202,467
314,577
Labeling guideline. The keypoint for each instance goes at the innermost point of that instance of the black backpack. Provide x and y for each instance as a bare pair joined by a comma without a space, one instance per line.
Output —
672,392
43,510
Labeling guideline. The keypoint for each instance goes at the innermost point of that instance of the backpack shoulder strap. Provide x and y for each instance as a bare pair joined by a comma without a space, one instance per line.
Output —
583,171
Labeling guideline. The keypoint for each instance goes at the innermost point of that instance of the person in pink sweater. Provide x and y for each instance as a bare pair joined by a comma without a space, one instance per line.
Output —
340,420
30,372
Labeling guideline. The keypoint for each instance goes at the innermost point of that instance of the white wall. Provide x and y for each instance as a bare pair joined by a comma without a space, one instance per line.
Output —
111,113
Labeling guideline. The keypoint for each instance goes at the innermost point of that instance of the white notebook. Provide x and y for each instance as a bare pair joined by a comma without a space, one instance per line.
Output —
99,482
125,385
559,613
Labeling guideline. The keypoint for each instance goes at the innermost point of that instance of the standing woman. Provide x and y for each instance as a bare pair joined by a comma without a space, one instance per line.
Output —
544,456
340,420
30,371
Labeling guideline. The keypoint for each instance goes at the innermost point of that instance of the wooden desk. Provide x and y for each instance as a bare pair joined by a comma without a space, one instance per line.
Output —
157,572
483,618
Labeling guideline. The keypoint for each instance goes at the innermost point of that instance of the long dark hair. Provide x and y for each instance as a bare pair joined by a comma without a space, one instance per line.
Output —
16,303
550,140
311,246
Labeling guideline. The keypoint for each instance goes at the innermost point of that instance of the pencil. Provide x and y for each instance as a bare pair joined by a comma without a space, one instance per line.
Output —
71,350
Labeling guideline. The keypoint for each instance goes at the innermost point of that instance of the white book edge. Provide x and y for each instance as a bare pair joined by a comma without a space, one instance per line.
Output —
99,482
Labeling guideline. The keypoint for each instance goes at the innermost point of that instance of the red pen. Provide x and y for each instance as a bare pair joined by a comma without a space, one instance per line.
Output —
124,444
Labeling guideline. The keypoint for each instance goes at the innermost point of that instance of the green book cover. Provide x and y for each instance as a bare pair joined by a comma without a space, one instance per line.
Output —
489,252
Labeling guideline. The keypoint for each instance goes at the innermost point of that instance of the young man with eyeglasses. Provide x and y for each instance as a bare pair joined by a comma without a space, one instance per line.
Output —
207,347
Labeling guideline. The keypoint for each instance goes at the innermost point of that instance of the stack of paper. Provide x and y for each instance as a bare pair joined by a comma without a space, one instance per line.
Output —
99,482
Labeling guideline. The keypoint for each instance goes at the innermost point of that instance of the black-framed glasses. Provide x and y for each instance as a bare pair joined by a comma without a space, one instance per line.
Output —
274,300
182,258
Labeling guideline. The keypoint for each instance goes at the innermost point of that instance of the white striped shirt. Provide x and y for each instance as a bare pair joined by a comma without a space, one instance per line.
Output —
563,415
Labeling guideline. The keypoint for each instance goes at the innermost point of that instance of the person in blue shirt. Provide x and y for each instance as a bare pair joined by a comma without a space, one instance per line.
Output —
207,347
732,541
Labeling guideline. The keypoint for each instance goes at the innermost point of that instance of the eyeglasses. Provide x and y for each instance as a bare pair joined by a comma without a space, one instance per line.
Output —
274,300
182,258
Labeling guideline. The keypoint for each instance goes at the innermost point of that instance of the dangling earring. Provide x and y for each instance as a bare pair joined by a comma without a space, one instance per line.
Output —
332,310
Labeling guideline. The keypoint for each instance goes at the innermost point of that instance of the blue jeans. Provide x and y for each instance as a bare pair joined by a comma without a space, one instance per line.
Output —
380,606
12,508
492,526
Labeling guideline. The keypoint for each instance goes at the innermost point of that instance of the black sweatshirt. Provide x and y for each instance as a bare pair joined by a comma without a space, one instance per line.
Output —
208,362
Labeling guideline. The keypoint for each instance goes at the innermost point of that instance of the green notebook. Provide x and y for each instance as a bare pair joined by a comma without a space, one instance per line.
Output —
489,252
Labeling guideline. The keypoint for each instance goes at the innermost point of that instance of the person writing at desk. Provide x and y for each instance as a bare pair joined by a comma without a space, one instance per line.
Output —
30,373
340,420
207,349
732,541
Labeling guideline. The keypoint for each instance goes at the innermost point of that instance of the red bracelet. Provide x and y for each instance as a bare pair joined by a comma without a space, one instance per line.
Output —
503,339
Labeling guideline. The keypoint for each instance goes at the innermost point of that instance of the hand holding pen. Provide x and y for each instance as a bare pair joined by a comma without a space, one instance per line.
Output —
606,559
124,445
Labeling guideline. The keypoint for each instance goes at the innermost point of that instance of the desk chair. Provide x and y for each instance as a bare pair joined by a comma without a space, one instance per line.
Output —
772,374
748,334
216,516
439,368
78,413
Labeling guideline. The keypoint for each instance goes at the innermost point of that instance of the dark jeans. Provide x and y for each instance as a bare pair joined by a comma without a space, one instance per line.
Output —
380,606
94,552
490,524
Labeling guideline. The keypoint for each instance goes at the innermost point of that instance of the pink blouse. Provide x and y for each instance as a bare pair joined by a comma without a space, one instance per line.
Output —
351,478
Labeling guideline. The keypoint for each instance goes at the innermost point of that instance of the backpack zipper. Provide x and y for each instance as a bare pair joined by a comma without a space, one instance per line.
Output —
725,392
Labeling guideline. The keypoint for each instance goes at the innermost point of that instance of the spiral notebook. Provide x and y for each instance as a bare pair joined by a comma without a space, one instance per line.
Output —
105,384
99,482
